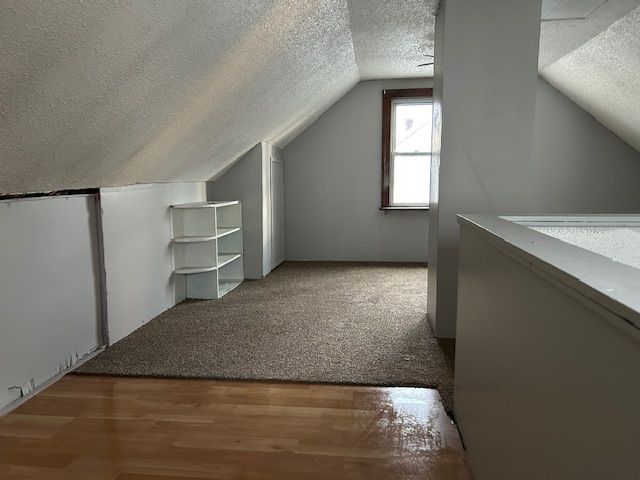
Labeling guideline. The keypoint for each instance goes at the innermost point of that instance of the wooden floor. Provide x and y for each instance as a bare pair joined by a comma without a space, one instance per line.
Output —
114,428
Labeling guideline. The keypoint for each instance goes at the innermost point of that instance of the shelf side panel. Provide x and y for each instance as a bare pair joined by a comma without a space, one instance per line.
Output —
196,222
230,276
199,254
203,285
230,244
229,216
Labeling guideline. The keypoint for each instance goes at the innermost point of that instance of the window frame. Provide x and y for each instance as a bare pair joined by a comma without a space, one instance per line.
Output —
388,97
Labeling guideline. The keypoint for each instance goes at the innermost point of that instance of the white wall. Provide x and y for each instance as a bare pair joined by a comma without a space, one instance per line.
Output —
505,141
436,147
49,289
546,379
485,93
333,186
136,225
249,180
579,165
244,182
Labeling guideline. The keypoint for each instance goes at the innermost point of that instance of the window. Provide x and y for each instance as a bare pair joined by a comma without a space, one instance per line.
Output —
406,148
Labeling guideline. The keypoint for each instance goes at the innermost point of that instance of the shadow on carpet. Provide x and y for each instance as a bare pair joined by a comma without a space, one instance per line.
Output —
343,323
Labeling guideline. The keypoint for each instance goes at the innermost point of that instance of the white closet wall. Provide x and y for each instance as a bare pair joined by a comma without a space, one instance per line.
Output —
250,181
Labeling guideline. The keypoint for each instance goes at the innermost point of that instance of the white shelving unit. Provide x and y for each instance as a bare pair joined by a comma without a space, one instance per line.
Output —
207,247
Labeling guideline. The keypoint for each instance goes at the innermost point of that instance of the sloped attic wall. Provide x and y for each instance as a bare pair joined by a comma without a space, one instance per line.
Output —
104,92
602,75
112,92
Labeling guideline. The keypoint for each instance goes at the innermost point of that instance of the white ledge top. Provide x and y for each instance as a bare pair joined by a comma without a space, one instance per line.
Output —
612,285
206,204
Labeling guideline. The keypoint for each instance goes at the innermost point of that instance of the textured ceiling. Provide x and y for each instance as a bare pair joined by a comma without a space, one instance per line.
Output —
569,9
571,23
389,41
603,77
113,92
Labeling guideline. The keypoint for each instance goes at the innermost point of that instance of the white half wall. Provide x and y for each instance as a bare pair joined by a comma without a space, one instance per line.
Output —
545,367
49,289
333,186
136,225
580,166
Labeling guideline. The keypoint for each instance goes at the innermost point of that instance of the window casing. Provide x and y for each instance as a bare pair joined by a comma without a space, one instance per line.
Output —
406,148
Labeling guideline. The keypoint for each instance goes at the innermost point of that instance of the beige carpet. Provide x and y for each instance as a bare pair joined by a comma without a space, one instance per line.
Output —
306,322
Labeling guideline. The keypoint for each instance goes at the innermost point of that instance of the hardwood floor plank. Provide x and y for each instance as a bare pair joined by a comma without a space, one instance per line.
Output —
112,428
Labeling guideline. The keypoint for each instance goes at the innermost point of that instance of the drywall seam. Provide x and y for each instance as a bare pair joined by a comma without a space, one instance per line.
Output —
102,273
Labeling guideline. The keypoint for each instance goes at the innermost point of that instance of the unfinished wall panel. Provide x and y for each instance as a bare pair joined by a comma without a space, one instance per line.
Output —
49,289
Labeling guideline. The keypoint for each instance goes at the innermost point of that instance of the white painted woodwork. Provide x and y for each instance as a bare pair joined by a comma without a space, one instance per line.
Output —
136,224
50,313
188,270
222,231
207,247
547,356
202,283
230,275
277,211
201,205
193,239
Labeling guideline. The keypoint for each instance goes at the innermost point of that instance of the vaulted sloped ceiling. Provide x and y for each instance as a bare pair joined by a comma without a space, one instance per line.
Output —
592,55
391,38
107,92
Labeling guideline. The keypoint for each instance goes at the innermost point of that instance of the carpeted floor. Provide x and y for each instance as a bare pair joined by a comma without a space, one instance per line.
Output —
308,322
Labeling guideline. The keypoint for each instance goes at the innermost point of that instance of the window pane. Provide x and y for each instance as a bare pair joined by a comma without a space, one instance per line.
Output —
410,179
412,127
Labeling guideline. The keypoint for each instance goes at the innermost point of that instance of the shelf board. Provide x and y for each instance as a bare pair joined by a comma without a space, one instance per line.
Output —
224,258
222,231
192,270
225,286
206,238
205,204
194,239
